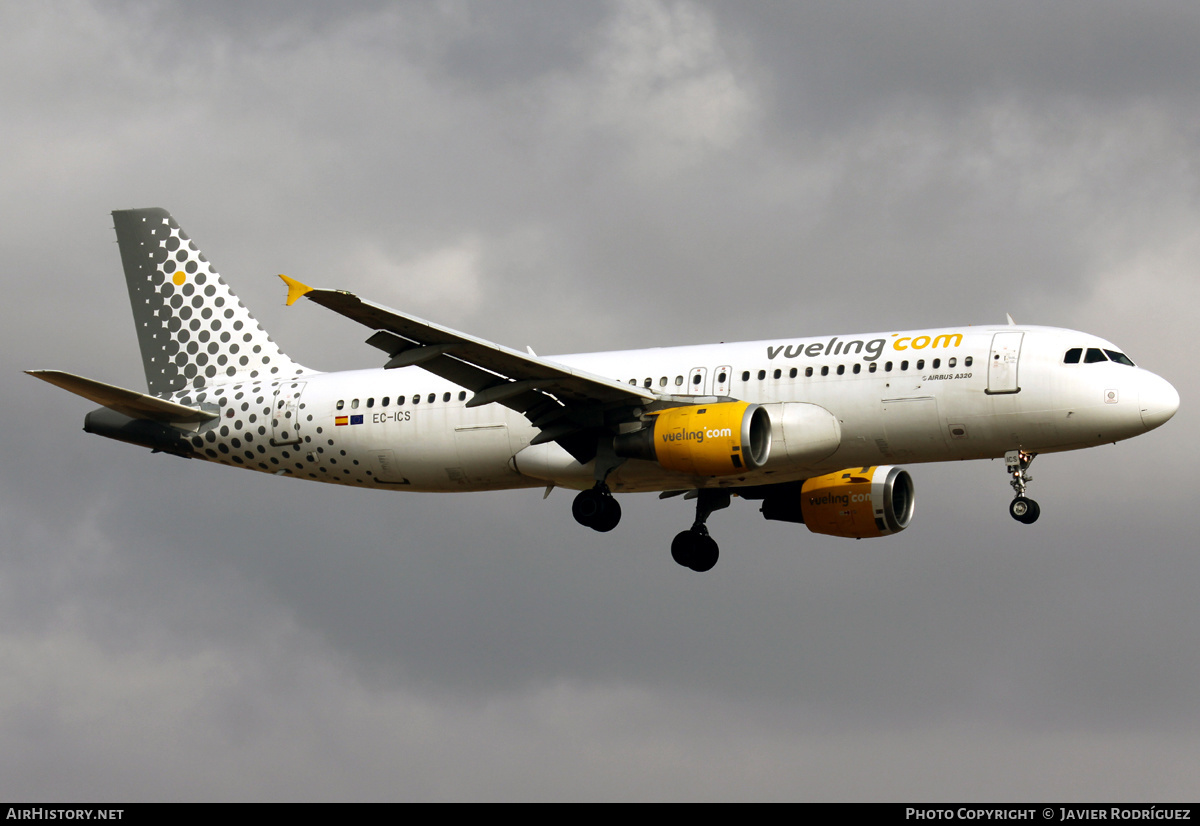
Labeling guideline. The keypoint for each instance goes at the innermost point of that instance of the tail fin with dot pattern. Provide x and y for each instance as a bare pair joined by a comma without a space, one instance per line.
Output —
193,330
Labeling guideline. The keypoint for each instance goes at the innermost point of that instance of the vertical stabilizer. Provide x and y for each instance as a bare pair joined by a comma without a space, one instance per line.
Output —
192,329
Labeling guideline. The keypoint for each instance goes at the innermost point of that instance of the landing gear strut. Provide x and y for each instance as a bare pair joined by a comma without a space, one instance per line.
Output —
1022,509
597,508
694,548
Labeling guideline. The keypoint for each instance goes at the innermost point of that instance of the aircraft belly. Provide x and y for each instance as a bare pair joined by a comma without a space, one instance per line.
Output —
425,450
484,456
912,429
549,463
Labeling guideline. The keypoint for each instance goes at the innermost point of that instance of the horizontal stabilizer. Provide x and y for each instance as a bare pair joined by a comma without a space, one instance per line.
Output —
126,402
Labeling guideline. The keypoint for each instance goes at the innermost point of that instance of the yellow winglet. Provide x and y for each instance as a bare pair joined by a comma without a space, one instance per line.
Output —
295,289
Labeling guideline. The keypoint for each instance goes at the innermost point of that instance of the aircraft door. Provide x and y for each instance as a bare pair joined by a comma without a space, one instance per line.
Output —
285,413
1003,362
697,381
721,377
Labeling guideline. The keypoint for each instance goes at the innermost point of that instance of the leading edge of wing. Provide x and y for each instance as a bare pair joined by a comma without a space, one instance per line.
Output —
417,341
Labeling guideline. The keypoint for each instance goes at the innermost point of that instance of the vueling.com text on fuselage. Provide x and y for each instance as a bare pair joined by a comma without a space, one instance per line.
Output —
873,349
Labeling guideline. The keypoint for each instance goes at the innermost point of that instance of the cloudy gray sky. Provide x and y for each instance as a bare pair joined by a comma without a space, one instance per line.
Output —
597,176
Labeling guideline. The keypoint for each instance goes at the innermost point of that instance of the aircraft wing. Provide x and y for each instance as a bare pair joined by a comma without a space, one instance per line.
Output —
126,402
560,400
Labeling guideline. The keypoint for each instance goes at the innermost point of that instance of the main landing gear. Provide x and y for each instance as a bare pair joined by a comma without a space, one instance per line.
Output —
597,508
694,548
1021,508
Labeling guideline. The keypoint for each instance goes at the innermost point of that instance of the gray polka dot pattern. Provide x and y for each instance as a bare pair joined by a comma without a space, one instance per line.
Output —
193,330
201,347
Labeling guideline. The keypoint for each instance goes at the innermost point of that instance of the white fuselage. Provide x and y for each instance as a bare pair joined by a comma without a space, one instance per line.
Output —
921,396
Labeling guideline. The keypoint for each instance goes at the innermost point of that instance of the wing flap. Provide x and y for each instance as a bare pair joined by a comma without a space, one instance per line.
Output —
126,402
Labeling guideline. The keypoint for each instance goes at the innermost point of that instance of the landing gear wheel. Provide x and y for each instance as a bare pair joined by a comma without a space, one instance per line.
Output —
706,554
609,516
596,509
587,507
1024,510
695,550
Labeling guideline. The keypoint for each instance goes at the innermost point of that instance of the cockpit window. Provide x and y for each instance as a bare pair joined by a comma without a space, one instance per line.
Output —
1120,358
1073,355
1094,355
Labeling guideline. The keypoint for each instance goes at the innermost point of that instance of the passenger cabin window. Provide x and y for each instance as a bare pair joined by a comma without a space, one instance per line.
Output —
679,380
968,361
762,374
904,364
952,362
721,377
662,382
824,371
400,400
778,373
1094,355
792,373
432,398
462,395
857,368
920,364
937,363
874,366
887,368
386,400
745,375
354,404
371,402
416,398
341,403
445,397
648,382
841,369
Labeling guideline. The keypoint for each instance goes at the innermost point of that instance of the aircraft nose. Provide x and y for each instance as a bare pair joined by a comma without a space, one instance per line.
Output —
1159,401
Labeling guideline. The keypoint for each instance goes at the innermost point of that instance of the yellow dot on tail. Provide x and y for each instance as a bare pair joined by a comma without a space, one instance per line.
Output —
179,278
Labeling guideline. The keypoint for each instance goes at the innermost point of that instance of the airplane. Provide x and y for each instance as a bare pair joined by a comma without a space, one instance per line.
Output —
814,428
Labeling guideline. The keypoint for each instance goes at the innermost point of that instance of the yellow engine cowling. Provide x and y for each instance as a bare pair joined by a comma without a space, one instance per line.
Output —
858,502
721,439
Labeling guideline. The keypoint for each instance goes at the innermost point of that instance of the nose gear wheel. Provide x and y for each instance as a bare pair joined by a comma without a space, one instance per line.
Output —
1022,508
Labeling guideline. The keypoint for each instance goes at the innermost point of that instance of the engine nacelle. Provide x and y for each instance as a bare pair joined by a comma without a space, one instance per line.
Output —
721,439
859,502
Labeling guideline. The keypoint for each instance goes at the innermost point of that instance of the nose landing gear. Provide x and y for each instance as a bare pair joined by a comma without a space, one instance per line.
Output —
1021,508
